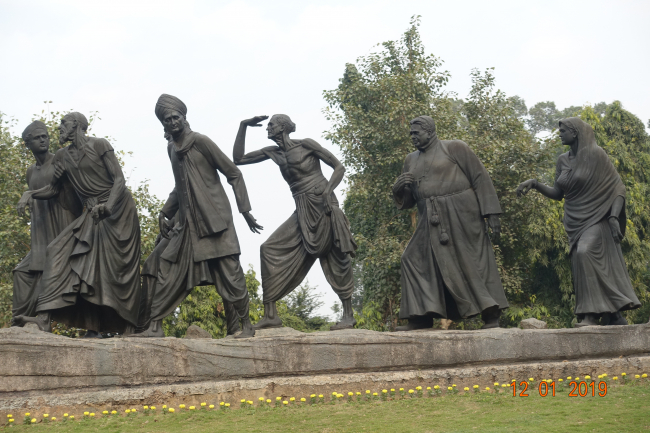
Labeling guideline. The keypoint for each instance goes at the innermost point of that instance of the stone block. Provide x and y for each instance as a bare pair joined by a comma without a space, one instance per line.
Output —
195,332
532,323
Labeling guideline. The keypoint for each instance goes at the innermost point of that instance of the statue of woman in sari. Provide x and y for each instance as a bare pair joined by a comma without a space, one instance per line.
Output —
594,219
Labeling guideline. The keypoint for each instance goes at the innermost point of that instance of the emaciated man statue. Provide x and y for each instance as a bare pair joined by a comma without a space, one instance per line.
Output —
202,247
448,268
91,277
317,229
48,219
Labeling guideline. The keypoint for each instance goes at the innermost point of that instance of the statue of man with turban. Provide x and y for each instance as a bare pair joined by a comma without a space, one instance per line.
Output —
48,218
91,276
200,246
448,268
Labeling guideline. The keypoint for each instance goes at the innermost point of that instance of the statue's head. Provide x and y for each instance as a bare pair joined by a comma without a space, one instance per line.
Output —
423,130
568,132
73,125
171,112
279,125
36,138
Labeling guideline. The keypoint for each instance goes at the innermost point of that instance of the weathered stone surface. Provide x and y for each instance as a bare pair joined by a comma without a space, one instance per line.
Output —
195,332
533,323
76,366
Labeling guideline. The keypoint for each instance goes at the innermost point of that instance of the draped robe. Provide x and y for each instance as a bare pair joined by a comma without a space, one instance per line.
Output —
590,184
91,277
448,268
48,219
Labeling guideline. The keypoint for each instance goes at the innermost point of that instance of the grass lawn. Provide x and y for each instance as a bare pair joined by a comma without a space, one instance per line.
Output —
625,408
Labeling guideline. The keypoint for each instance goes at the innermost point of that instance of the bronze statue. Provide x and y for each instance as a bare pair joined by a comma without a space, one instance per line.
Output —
448,268
595,220
318,229
91,276
200,245
48,218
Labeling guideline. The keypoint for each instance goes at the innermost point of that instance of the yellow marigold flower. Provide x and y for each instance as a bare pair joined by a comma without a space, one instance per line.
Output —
92,414
577,378
113,412
320,395
392,390
496,383
212,406
475,386
11,420
53,418
294,398
615,378
105,412
428,388
418,388
600,376
503,385
449,388
268,400
203,404
27,414
644,375
182,406
560,380
487,388
164,406
350,394
33,420
436,387
358,393
133,410
568,378
374,394
222,403
243,400
227,404
71,417
285,402
303,399
65,415
453,385
401,389
367,391
384,391
45,415
249,402
636,376
192,408
145,407
313,396
466,389
10,416
411,391
171,409
530,379
128,411
278,398
86,413
623,374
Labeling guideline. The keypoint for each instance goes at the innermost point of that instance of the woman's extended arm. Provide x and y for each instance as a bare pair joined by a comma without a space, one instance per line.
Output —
554,193
238,156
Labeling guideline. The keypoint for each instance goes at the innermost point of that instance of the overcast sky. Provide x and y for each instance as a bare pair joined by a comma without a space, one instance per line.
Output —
230,60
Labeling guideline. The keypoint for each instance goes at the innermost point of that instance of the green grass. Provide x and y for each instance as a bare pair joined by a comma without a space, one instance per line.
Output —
624,409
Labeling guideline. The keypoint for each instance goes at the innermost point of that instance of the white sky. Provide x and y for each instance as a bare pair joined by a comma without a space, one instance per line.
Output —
230,60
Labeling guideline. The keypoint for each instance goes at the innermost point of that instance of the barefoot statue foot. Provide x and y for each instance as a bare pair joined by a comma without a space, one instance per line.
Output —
589,320
347,321
247,330
270,319
42,320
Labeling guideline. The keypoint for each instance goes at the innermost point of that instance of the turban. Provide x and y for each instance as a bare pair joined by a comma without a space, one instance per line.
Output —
428,124
35,125
168,102
82,122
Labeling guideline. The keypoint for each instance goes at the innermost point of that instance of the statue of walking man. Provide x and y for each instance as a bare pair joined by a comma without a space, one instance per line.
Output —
448,268
318,229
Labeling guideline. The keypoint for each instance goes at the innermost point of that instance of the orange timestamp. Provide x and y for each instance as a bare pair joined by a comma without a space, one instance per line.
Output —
547,388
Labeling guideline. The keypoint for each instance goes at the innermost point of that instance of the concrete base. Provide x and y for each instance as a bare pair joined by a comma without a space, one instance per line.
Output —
48,371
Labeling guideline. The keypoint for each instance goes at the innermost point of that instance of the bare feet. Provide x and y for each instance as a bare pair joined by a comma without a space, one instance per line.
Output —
42,320
247,330
270,319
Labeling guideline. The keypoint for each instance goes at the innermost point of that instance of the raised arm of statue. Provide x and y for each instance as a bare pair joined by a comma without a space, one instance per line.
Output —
238,152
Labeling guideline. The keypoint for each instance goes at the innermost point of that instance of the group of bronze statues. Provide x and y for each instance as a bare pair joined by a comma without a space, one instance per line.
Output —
83,269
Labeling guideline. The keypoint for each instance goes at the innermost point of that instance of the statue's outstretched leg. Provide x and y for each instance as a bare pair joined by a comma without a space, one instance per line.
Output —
271,318
589,320
347,321
42,320
491,317
418,322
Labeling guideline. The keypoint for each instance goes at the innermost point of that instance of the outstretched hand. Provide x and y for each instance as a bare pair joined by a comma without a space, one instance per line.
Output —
254,121
526,186
252,222
495,225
